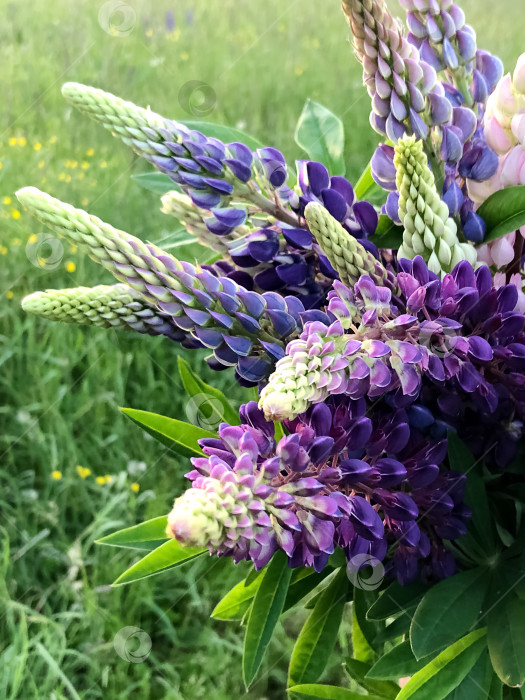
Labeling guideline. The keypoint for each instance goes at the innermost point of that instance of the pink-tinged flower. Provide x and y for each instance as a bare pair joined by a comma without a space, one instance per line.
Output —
513,167
516,279
518,78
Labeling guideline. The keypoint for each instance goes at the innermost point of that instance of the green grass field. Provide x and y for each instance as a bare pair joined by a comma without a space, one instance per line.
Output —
72,467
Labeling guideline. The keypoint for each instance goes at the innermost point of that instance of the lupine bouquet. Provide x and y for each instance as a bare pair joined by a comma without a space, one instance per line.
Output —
380,460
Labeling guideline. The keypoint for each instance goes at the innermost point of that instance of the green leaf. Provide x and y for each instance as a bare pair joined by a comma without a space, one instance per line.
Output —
302,583
317,637
148,531
167,556
503,212
181,438
448,611
321,134
477,684
360,646
367,188
396,599
444,673
237,601
506,639
357,670
267,607
387,234
155,182
399,662
222,132
327,692
210,405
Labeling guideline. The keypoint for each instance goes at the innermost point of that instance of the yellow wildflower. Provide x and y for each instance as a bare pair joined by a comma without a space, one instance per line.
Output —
7,200
83,472
90,151
3,250
33,238
9,294
70,266
15,214
37,146
13,141
56,475
135,487
185,56
22,141
85,165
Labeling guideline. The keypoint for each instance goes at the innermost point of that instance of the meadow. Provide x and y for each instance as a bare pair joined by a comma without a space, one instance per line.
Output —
72,467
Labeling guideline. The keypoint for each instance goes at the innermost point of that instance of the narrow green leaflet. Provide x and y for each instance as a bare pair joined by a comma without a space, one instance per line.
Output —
211,406
360,646
477,683
222,132
327,692
167,556
237,601
321,134
444,673
503,212
448,611
317,637
267,607
148,531
387,234
181,438
155,182
357,670
370,629
396,599
506,639
397,663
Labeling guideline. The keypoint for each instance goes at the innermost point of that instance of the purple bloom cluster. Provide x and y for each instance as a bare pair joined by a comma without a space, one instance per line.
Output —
342,477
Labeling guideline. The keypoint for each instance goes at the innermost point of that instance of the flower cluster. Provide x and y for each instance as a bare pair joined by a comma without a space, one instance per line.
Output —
339,478
366,355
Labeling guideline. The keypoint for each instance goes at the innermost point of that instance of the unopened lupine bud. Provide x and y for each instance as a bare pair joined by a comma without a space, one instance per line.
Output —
428,229
347,256
108,306
244,329
402,87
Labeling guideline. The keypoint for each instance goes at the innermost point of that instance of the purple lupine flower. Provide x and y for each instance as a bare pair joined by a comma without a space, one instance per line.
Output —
382,459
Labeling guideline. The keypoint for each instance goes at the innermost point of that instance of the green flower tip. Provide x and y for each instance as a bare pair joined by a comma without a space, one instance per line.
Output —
31,304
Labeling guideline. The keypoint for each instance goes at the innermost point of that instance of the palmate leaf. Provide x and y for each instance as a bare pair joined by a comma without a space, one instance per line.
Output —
444,673
317,637
357,670
506,638
396,599
327,692
266,609
477,683
503,212
181,438
387,234
150,531
220,408
448,611
168,556
321,134
397,663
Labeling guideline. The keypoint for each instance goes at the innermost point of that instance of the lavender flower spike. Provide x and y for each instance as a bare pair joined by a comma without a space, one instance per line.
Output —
429,231
206,169
107,306
403,88
241,327
325,360
347,256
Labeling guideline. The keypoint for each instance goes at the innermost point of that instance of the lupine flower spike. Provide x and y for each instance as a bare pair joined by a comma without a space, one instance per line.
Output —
428,229
244,329
347,256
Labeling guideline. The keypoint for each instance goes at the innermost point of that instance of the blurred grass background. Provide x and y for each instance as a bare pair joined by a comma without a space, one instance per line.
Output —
72,468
